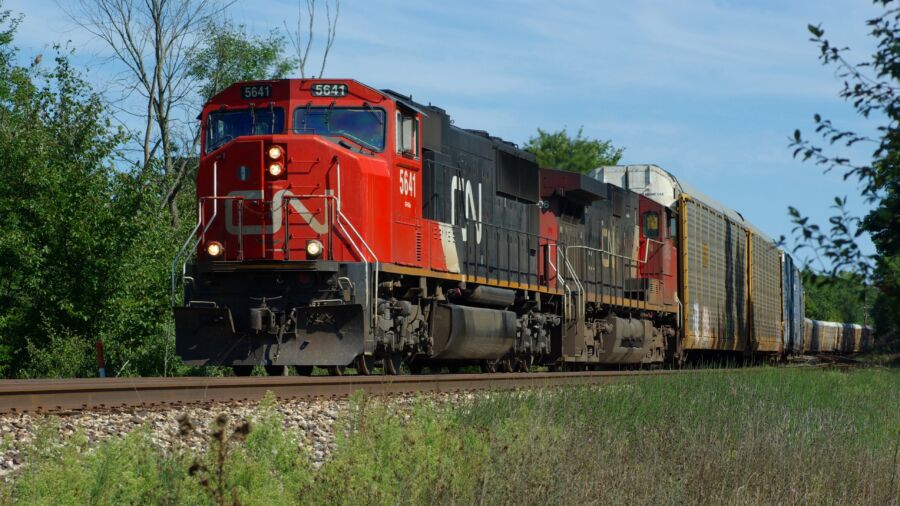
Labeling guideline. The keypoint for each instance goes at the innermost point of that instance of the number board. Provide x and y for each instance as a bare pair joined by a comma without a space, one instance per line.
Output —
329,90
256,91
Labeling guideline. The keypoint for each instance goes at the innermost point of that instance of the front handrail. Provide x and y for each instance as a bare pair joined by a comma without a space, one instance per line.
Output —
240,200
182,253
335,216
286,250
377,265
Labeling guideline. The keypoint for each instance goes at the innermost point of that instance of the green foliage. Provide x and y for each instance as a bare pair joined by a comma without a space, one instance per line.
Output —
559,150
259,466
379,457
135,323
842,299
229,54
870,87
767,436
86,245
120,471
58,205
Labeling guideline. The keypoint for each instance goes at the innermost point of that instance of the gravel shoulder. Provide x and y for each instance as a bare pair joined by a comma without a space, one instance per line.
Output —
311,420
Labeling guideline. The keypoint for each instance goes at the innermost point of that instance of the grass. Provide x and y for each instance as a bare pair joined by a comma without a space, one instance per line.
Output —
776,436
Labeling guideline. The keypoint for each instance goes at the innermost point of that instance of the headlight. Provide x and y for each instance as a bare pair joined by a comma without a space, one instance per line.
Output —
313,248
275,152
215,249
276,169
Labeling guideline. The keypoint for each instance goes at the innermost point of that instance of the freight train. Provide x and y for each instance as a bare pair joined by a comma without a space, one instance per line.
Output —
341,225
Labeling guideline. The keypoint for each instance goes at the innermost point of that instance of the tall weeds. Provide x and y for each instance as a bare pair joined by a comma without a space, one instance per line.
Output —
770,437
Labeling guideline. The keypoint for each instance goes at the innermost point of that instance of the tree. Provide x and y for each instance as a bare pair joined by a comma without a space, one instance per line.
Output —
62,219
579,154
873,89
154,41
303,48
841,298
229,54
86,245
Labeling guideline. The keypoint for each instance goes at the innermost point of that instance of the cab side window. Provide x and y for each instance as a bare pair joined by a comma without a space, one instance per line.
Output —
650,221
407,134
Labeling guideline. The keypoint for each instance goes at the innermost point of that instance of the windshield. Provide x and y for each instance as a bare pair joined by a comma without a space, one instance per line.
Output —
362,125
223,126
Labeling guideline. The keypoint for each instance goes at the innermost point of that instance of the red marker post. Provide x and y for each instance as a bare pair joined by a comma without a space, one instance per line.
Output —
100,365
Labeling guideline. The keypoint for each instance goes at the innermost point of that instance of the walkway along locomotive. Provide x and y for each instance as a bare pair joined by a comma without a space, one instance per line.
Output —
343,225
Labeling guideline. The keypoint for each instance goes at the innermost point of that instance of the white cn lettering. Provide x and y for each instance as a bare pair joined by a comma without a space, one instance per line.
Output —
473,212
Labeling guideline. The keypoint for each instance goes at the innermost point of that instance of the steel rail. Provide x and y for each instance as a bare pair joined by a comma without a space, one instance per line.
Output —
55,395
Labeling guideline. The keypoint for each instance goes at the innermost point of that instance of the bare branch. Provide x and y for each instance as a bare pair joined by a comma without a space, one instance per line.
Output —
153,40
332,30
302,44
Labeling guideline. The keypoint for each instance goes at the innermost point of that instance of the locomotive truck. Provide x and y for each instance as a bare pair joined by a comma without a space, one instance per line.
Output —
343,225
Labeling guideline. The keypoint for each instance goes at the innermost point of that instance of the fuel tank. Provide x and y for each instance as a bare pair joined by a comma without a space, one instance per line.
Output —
472,333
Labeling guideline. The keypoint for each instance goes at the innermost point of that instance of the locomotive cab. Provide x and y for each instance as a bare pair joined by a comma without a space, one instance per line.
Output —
277,155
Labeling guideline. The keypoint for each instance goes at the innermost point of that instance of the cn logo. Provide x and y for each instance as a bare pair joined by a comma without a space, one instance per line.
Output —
472,213
235,226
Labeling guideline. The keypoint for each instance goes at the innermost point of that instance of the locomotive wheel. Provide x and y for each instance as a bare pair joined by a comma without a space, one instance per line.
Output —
365,364
276,370
303,370
489,367
242,370
415,366
525,364
335,370
392,363
509,364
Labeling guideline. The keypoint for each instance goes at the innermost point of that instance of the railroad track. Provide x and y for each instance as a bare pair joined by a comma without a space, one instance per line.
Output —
55,395
49,395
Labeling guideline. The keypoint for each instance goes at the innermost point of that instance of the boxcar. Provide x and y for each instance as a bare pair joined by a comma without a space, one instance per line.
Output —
851,338
821,337
730,272
715,284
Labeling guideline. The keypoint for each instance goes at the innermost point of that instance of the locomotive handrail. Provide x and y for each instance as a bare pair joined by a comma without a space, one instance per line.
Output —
565,285
598,250
627,263
647,249
338,221
183,251
340,216
581,291
202,234
240,199
287,236
466,222
501,227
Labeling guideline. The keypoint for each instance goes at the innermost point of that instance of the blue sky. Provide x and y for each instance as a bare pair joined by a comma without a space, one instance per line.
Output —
708,89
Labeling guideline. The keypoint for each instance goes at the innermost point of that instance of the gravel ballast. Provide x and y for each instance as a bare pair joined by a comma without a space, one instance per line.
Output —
312,420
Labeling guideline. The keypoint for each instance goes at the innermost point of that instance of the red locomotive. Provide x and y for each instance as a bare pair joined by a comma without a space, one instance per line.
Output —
342,225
